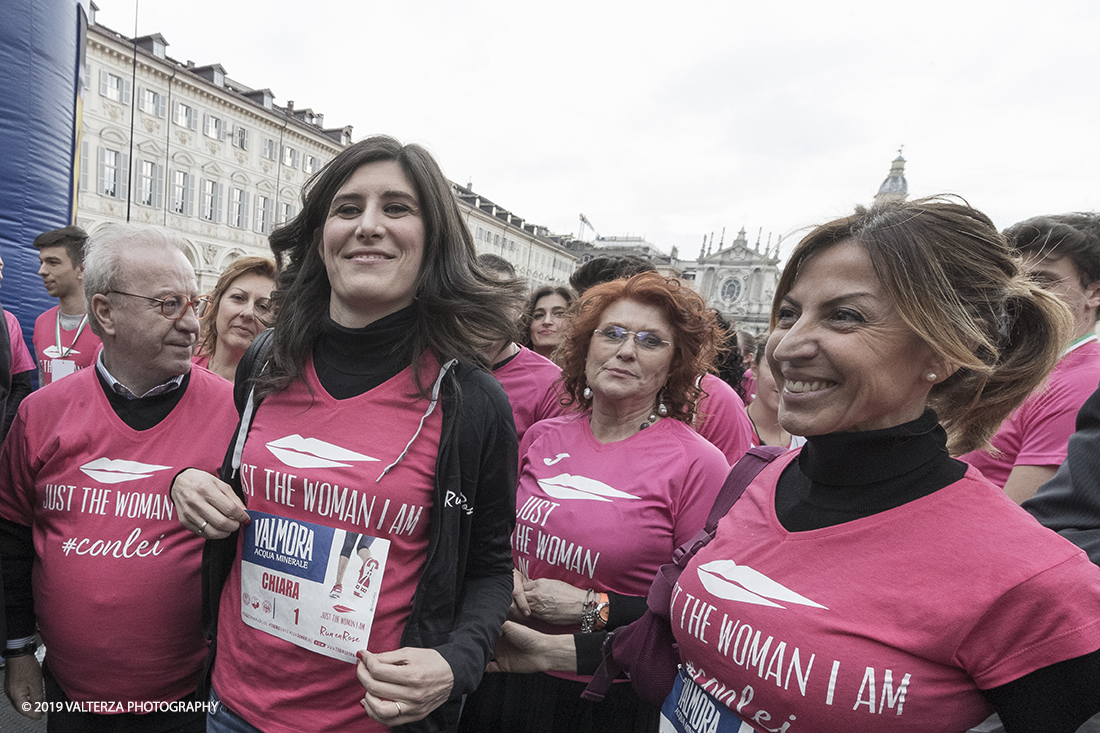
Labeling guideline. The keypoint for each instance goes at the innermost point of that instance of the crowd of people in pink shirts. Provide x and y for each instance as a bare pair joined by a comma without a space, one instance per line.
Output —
376,482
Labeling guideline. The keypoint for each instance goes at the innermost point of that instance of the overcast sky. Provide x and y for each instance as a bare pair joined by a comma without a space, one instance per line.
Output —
672,120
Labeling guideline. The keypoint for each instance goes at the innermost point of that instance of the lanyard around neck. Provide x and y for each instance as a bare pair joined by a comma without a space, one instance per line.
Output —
57,334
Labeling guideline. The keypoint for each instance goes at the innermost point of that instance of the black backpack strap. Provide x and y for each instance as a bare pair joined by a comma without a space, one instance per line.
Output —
250,367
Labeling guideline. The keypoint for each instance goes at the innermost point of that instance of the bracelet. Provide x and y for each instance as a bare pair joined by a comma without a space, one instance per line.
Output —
588,611
22,651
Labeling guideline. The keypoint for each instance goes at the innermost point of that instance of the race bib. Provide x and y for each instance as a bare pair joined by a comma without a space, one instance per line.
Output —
689,709
312,585
61,368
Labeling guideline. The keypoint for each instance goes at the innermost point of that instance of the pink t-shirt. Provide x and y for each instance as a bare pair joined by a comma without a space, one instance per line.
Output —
313,458
721,419
1037,433
116,576
77,350
892,622
531,383
607,516
21,359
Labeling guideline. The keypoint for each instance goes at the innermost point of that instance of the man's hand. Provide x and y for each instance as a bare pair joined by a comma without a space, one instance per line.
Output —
403,686
23,685
206,506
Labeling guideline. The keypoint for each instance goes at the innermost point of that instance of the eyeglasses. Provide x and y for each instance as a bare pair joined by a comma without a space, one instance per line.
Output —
645,339
173,307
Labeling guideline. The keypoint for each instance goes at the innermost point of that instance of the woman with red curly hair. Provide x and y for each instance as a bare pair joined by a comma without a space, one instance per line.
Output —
606,494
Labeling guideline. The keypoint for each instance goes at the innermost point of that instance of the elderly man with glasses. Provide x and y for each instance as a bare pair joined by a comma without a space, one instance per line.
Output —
91,550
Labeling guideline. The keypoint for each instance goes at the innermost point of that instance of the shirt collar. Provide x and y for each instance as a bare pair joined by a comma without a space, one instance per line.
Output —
121,389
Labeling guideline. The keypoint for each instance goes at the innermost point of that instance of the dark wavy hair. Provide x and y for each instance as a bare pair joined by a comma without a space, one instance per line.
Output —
731,365
237,268
1076,236
460,308
696,338
957,284
525,321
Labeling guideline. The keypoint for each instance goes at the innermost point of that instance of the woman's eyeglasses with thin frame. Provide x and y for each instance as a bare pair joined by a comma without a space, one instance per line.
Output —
644,339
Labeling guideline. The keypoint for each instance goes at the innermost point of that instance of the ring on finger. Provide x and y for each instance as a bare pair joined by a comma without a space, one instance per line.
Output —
202,527
398,709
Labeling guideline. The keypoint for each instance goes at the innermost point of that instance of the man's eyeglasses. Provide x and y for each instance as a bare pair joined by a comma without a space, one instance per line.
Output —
173,307
645,339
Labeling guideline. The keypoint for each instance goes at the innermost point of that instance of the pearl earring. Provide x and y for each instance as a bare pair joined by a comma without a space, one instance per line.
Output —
587,392
931,376
662,410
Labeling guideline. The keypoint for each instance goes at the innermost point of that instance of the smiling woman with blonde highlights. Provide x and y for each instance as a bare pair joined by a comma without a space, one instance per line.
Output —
902,334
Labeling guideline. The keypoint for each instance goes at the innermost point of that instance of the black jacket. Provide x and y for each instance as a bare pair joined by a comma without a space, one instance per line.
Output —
465,589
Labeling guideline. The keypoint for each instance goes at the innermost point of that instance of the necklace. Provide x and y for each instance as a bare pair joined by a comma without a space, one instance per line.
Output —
652,419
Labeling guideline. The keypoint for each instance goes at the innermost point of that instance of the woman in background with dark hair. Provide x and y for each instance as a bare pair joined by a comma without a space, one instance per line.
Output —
731,365
240,308
544,318
373,416
763,412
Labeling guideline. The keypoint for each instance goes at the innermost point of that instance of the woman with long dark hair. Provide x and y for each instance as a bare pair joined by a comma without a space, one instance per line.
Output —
374,425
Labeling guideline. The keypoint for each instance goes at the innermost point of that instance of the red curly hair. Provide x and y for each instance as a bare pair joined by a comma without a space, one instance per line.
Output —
696,338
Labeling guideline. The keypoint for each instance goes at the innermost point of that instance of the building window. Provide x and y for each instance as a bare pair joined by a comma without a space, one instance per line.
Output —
151,102
270,149
114,87
309,164
210,208
150,185
240,137
286,212
265,208
214,127
238,208
290,156
183,193
112,173
84,164
185,116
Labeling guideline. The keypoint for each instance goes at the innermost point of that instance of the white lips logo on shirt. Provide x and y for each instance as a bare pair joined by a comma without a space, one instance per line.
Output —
565,486
115,471
55,353
299,452
726,579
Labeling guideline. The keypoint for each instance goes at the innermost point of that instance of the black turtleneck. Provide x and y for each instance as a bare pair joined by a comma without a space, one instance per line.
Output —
844,476
351,361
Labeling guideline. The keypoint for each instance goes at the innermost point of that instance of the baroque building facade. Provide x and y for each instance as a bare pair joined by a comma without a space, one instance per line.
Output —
738,281
189,148
186,147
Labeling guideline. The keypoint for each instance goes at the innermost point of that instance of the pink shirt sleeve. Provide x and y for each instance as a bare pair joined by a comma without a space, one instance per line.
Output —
21,359
721,419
